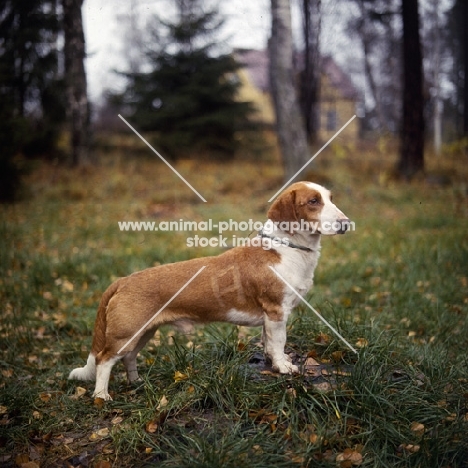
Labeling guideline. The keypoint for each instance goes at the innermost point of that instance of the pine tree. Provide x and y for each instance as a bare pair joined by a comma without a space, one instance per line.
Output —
188,99
30,85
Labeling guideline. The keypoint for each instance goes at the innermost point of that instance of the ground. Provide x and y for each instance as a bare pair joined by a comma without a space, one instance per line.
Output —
396,288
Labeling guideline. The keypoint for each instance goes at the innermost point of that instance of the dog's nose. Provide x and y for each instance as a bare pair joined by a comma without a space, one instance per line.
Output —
344,225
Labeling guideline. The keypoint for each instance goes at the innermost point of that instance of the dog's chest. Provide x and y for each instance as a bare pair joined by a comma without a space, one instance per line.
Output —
297,268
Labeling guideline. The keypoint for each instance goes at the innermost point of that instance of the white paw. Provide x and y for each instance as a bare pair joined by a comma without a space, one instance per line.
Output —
285,367
103,395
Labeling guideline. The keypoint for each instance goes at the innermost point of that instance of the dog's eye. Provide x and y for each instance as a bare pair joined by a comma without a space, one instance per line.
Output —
313,201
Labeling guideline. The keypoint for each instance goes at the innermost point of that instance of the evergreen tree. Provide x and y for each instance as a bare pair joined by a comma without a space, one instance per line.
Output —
30,85
189,97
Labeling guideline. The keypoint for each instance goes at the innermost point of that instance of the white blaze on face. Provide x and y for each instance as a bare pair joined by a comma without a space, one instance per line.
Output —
330,216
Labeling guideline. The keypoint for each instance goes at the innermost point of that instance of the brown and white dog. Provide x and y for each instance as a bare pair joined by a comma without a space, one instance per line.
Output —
238,286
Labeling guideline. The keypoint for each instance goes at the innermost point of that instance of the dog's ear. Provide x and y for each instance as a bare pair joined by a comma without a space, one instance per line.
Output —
283,208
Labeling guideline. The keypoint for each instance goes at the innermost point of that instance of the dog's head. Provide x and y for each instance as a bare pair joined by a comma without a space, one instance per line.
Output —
308,206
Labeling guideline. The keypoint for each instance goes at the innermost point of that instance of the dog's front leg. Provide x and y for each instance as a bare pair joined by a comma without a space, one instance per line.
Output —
274,341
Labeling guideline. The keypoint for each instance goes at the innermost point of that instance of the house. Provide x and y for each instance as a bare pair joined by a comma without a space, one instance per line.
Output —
338,96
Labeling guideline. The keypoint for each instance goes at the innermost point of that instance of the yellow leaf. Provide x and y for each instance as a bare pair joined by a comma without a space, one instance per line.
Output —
3,410
179,377
101,433
361,343
37,415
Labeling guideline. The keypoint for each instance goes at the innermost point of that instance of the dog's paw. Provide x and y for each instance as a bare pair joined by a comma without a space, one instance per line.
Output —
102,395
285,367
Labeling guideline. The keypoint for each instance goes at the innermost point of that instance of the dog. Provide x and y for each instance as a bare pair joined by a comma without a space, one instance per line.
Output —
240,286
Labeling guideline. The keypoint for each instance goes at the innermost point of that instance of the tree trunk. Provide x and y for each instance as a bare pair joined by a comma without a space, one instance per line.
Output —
310,77
412,137
465,67
75,77
289,123
364,33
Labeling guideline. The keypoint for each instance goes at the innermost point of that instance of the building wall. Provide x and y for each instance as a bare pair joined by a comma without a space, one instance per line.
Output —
262,100
335,110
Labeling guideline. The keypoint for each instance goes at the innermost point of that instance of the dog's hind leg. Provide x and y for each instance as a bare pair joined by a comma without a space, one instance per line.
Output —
103,371
129,359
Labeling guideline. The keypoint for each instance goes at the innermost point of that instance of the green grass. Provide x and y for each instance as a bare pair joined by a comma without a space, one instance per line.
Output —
397,289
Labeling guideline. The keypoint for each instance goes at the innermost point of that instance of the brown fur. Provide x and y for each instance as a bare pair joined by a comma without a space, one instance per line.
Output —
237,286
131,301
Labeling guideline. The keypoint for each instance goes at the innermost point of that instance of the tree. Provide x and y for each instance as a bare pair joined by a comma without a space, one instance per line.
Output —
412,135
31,106
458,42
188,99
75,79
289,123
310,76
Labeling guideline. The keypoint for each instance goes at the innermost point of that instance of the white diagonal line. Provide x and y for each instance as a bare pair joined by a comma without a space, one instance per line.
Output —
157,154
314,156
161,309
314,311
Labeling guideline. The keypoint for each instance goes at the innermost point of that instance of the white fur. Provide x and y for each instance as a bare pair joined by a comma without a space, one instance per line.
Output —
88,372
246,319
102,378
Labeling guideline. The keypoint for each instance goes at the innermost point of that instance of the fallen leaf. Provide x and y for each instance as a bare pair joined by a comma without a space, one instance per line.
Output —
337,356
310,361
152,427
322,338
179,376
29,464
7,373
163,402
3,410
45,397
21,458
102,464
79,392
37,415
410,448
99,434
361,343
351,456
417,428
116,420
99,402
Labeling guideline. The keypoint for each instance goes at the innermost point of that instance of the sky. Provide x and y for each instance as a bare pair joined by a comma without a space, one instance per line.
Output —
247,25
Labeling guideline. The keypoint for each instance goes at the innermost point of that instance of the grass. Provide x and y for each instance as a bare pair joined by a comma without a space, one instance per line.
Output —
396,289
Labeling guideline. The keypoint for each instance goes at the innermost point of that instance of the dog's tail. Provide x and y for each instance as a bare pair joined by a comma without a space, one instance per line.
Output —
88,372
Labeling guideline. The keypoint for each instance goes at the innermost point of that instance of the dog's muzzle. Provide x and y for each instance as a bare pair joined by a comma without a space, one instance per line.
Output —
344,226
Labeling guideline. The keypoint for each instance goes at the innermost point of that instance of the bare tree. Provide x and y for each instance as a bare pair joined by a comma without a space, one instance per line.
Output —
75,77
290,126
310,77
367,35
412,136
